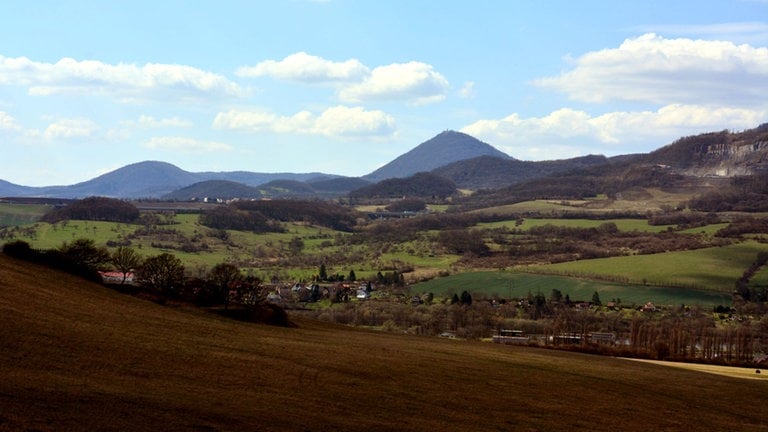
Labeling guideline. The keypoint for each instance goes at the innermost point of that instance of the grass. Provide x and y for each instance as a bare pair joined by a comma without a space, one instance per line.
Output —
507,284
621,224
20,214
712,269
77,356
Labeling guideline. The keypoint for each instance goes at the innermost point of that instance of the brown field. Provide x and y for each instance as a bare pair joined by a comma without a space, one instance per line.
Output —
729,371
77,356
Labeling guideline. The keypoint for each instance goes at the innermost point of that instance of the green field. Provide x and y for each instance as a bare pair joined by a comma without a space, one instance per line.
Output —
621,224
510,284
20,214
710,269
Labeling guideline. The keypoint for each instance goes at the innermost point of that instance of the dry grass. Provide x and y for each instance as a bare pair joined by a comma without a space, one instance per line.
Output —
77,356
729,371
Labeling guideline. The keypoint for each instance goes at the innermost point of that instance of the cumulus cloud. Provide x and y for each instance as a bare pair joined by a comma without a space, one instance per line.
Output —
568,133
307,68
338,121
70,128
183,144
413,81
653,69
126,82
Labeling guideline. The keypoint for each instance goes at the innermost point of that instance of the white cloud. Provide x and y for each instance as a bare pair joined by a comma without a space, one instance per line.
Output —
8,122
653,69
70,128
183,144
339,121
467,91
745,32
307,68
146,121
126,82
568,133
413,81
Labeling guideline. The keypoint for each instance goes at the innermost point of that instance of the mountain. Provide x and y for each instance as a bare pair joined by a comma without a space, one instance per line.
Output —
446,147
423,184
466,161
488,172
150,179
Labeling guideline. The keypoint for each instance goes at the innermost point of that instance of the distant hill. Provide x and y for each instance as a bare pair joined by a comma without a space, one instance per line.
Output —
488,172
716,153
466,161
223,189
339,185
424,185
445,148
149,179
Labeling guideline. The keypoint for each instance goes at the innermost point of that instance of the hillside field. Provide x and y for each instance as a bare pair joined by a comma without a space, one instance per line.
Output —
709,269
78,356
512,284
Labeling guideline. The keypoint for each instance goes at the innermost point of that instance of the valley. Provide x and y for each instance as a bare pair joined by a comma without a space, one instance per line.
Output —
306,302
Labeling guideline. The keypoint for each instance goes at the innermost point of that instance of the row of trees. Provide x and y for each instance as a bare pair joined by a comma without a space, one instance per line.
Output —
684,333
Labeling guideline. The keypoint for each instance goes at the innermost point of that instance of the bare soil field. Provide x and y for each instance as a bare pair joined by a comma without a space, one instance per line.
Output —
77,356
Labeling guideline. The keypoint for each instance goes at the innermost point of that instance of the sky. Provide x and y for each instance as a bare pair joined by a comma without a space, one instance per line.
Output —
344,87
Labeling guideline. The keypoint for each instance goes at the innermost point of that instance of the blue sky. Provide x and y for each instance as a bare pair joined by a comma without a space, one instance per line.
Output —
343,86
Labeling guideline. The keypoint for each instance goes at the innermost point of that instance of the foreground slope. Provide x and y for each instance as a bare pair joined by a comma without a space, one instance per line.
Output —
77,356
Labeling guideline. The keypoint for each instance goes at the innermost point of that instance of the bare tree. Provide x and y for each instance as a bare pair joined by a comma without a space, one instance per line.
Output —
125,260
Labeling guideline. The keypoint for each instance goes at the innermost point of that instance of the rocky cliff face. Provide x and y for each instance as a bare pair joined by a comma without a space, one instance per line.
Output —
732,158
716,154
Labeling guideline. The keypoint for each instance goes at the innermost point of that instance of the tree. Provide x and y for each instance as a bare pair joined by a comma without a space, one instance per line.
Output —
323,273
352,277
223,277
84,253
163,273
296,245
125,260
454,298
596,299
466,298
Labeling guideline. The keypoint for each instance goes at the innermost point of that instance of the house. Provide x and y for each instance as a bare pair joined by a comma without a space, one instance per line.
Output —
648,307
116,277
363,294
602,337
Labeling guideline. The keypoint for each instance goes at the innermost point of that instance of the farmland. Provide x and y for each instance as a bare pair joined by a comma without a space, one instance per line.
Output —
512,284
73,347
702,276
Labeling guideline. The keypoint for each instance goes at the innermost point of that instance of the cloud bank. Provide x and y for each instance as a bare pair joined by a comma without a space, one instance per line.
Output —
125,82
653,69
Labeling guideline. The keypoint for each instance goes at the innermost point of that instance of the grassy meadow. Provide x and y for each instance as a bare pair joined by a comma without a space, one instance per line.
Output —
512,284
709,269
79,357
20,214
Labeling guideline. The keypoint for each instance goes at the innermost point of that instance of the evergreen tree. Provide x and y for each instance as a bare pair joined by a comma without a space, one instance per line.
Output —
596,299
323,274
466,298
